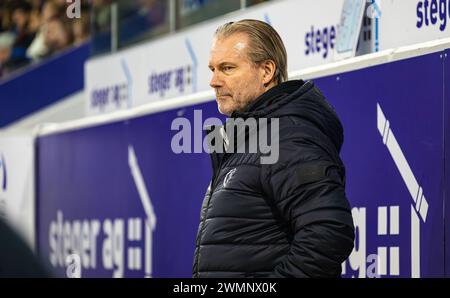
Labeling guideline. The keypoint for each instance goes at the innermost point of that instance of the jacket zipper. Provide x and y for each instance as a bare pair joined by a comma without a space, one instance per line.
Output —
215,165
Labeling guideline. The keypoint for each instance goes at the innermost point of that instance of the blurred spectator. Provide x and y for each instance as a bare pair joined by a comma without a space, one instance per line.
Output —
59,34
155,11
7,36
24,24
140,19
31,30
102,14
5,16
15,57
81,29
35,19
35,14
38,48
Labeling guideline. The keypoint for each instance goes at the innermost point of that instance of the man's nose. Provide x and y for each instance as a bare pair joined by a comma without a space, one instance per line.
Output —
216,81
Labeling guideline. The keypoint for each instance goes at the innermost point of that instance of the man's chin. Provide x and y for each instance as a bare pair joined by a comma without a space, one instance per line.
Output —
227,111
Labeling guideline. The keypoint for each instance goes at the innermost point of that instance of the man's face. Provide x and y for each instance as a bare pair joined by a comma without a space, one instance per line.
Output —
235,79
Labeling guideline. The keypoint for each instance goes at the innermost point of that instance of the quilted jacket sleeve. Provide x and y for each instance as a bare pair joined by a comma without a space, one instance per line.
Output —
307,189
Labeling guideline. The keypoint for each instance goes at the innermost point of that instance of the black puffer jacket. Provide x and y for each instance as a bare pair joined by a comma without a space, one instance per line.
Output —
287,219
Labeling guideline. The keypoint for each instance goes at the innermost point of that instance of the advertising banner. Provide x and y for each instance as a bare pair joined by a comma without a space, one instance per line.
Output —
177,65
118,200
393,152
402,23
17,184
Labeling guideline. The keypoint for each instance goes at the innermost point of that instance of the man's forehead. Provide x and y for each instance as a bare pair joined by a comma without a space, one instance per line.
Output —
233,45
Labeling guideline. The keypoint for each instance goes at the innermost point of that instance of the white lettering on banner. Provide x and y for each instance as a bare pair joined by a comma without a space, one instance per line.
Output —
113,246
375,264
77,237
73,243
69,240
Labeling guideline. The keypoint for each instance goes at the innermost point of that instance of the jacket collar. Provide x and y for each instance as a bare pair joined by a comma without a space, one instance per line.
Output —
273,99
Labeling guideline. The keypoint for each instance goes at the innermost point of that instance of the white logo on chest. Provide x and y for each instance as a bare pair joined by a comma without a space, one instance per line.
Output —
228,177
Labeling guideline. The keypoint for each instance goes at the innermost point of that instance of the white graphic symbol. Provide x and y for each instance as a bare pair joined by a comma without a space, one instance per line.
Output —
393,217
134,254
420,204
228,177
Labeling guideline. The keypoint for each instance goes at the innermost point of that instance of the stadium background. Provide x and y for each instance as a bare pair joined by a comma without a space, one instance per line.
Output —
87,174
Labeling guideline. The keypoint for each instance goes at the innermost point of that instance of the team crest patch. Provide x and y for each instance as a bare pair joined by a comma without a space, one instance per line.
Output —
228,177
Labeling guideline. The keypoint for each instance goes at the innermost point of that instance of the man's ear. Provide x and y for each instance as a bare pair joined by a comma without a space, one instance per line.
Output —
269,69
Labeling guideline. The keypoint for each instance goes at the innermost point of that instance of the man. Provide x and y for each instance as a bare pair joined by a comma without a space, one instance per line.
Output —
290,218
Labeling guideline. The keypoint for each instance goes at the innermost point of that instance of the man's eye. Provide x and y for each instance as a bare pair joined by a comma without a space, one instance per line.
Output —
227,68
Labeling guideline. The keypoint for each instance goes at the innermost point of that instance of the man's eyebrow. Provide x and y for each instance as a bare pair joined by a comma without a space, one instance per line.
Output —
221,64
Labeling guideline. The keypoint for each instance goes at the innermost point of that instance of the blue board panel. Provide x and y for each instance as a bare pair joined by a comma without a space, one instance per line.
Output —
43,85
118,197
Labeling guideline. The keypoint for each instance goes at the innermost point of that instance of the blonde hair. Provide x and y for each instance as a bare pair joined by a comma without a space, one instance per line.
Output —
265,44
